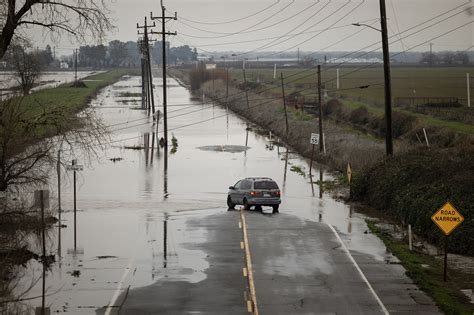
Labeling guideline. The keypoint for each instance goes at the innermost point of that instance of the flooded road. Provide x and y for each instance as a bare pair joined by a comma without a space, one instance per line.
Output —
151,240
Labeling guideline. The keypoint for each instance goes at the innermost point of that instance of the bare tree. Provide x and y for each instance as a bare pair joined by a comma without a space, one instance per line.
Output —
29,133
27,67
80,18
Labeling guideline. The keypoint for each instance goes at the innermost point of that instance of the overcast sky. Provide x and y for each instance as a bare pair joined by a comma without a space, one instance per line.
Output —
269,25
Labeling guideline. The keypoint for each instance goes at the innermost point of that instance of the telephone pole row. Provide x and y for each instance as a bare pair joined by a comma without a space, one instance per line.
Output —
163,33
148,99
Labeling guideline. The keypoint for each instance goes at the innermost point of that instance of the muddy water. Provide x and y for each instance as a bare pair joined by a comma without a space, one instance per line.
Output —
125,206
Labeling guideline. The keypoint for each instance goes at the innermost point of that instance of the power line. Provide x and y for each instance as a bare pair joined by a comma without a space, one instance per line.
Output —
271,25
297,26
326,29
240,31
232,21
240,93
274,37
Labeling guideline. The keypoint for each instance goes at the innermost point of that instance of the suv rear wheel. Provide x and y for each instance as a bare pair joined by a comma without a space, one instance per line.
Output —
230,204
275,208
246,205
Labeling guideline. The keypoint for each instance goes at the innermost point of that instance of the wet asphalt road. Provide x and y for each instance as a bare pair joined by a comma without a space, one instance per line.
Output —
156,242
300,267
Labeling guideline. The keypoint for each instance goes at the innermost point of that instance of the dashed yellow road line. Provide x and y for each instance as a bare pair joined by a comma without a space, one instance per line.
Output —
252,304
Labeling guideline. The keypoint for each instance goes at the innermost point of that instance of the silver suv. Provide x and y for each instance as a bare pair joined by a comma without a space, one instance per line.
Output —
254,191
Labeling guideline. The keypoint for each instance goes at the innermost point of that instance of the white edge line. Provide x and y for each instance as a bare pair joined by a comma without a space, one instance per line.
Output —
119,288
384,309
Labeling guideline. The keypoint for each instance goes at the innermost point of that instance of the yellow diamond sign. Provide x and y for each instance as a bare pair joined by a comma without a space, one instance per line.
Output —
447,218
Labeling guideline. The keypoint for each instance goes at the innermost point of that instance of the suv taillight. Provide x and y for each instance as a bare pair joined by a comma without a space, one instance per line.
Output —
277,193
253,193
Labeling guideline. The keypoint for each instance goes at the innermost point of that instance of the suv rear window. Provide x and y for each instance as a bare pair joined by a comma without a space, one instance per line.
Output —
265,184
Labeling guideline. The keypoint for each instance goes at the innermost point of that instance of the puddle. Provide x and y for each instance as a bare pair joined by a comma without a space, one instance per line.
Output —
225,148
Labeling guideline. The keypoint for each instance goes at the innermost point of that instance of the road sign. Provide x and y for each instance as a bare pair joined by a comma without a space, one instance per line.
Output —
349,172
447,218
314,138
75,167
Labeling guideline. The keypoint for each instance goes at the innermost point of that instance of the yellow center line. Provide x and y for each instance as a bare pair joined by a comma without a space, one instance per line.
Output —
248,262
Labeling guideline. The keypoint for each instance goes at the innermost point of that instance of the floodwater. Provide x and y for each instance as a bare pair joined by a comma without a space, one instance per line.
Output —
48,79
131,218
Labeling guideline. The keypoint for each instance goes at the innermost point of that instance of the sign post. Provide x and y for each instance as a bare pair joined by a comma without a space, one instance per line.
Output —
349,179
75,167
314,140
447,218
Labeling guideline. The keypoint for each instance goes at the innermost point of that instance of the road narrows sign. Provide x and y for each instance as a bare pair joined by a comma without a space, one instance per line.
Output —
447,218
349,172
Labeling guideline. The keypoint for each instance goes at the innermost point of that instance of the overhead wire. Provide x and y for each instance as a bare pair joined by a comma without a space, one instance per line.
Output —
271,25
326,29
240,31
361,68
274,37
273,99
267,45
231,21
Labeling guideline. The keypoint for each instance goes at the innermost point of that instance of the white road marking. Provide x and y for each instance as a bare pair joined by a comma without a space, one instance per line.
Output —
119,287
384,309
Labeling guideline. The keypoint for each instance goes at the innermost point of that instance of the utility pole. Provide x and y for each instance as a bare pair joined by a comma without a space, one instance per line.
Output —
246,90
141,47
74,162
468,90
75,65
387,80
146,53
226,84
43,259
59,200
284,104
163,33
320,97
431,54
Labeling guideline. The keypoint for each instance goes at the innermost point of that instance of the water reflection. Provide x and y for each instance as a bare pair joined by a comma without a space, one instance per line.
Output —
321,180
349,222
165,241
320,210
112,208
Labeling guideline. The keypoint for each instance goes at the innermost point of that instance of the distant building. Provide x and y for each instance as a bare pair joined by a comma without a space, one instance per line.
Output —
204,58
355,60
210,66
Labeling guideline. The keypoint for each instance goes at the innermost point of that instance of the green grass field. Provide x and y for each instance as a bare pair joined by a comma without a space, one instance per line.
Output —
406,81
72,98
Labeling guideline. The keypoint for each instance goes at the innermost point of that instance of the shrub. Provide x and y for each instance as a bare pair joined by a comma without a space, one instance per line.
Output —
412,186
359,116
333,108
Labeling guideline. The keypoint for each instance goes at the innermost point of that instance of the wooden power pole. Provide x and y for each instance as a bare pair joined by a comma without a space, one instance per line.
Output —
163,33
320,100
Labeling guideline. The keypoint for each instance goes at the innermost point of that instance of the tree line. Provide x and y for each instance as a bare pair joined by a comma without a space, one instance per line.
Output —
120,54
